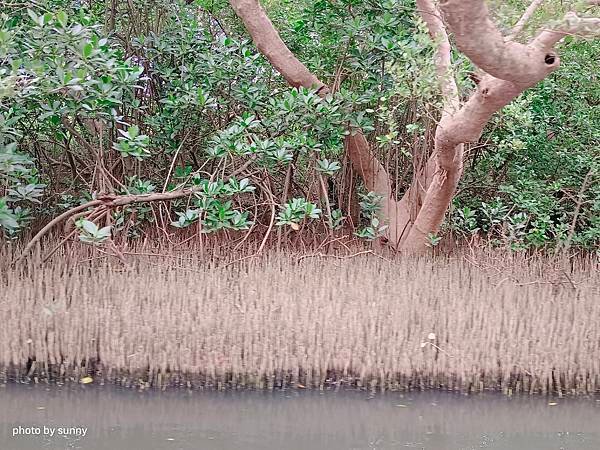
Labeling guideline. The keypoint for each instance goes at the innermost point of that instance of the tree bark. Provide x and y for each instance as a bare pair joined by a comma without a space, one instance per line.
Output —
480,40
446,165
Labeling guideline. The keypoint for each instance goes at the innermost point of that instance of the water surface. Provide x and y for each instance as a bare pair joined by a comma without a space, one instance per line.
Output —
115,418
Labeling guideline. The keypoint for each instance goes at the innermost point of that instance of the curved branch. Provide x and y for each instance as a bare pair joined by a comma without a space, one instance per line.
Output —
571,24
466,125
369,168
481,41
53,223
109,201
269,43
106,201
531,9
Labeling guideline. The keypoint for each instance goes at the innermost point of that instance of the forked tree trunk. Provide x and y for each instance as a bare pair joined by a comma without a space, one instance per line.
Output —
510,68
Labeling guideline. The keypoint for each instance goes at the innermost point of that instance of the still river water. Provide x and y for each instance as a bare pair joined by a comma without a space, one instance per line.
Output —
109,418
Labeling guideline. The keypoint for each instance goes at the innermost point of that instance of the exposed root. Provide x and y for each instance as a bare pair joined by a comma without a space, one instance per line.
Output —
280,321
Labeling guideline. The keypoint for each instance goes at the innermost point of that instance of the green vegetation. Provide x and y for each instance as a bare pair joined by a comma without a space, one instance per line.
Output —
150,98
539,159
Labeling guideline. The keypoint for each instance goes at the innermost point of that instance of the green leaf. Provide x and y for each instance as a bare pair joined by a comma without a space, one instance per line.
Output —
33,16
133,131
87,50
89,227
62,18
8,220
104,232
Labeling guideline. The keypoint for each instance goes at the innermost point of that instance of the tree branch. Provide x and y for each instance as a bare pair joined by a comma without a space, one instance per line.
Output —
481,41
571,24
269,43
535,4
109,201
437,31
54,222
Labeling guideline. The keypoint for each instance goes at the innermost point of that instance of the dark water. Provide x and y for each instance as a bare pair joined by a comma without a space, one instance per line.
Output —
123,419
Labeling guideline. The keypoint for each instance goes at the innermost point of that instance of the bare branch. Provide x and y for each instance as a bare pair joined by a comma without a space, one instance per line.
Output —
109,201
535,4
54,222
466,125
587,182
437,30
370,169
572,24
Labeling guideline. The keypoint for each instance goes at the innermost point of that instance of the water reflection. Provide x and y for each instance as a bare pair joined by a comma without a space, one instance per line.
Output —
123,419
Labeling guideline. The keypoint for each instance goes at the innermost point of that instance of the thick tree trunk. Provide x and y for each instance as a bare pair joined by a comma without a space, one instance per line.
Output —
444,170
395,213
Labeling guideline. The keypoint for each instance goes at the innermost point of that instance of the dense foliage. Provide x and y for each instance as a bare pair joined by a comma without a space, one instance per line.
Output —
140,97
